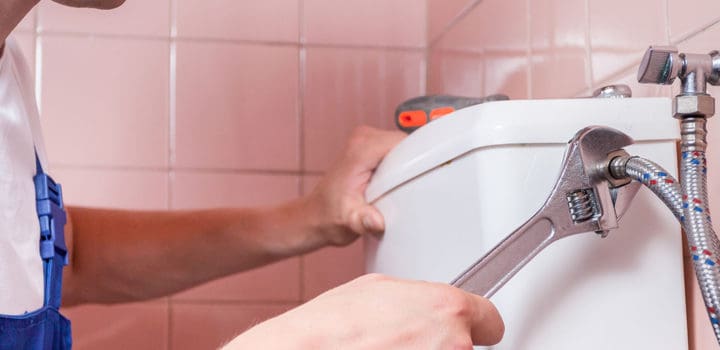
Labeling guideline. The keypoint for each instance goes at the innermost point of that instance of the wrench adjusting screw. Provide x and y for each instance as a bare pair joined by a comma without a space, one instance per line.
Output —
582,205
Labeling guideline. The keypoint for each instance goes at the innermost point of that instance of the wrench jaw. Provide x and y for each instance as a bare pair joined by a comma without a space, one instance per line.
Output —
623,196
597,147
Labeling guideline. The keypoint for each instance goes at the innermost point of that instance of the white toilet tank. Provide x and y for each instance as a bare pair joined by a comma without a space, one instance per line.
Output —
454,188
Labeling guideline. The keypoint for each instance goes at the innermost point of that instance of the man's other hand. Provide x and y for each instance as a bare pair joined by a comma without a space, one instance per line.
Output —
379,312
338,201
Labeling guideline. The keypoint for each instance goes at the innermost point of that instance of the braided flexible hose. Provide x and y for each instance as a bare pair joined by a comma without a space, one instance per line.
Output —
704,244
691,209
659,181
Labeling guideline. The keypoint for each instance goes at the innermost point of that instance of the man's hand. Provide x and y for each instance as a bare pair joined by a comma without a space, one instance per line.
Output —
378,312
339,199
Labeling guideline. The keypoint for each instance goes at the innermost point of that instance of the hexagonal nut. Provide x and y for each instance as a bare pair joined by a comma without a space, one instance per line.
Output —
693,105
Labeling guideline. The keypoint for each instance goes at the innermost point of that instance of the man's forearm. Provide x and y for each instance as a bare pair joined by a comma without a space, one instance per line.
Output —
120,256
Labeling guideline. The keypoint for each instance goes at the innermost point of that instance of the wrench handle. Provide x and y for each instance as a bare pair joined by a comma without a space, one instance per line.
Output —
501,263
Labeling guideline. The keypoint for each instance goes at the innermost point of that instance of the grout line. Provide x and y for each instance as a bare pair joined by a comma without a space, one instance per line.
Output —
588,49
172,107
529,51
172,140
667,21
426,71
491,51
364,47
236,41
302,70
173,18
464,12
107,167
186,170
36,23
695,33
172,117
36,18
302,75
228,41
427,39
172,135
667,33
54,34
301,22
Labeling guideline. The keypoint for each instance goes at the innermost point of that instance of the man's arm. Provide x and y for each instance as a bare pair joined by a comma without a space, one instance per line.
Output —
120,256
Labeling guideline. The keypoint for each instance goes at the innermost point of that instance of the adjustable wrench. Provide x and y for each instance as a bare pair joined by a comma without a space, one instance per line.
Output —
585,198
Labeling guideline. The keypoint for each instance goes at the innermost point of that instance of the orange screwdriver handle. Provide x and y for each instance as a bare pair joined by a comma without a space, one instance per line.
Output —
419,111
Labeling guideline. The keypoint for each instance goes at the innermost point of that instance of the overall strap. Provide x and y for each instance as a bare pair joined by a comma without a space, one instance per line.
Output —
53,250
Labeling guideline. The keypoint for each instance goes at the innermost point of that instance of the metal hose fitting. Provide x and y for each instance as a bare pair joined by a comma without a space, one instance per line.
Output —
693,134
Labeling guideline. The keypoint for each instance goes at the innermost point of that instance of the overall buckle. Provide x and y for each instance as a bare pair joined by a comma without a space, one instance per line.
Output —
52,216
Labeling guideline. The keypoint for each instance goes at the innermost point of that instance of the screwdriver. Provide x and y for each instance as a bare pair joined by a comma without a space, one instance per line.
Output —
419,111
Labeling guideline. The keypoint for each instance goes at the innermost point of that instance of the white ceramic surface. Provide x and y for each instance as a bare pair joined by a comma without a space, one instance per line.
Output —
583,292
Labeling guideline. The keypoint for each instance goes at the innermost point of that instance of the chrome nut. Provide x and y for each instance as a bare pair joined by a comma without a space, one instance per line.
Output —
693,105
614,168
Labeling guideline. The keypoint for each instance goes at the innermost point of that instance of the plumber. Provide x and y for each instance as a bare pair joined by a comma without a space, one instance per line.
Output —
122,256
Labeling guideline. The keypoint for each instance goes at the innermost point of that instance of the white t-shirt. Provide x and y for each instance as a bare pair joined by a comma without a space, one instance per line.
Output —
21,275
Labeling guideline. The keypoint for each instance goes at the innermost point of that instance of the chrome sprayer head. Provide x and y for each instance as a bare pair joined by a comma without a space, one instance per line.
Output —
662,64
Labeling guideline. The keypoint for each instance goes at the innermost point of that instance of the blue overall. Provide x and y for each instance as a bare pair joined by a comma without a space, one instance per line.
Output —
45,328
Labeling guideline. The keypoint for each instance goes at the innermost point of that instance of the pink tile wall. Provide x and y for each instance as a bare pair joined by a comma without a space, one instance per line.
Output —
277,282
208,326
442,13
128,326
347,87
391,23
237,106
134,18
108,92
571,47
494,53
182,104
265,21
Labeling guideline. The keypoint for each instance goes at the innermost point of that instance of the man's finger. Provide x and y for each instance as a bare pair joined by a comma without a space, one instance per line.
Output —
486,325
367,220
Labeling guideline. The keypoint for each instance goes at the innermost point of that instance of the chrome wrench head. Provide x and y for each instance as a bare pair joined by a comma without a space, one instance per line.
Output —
582,200
597,146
